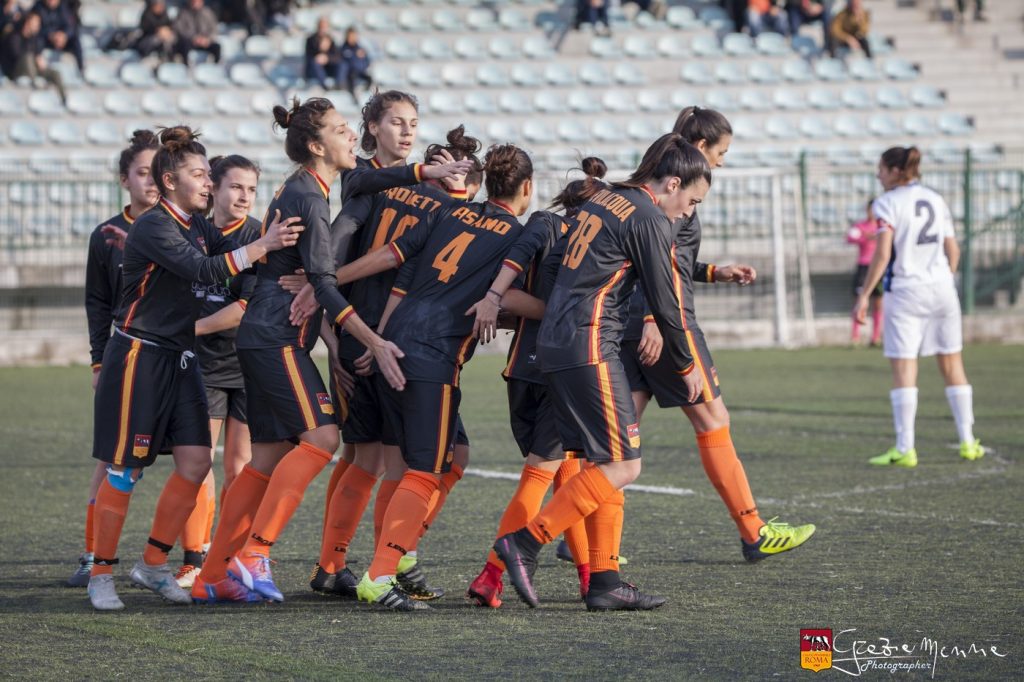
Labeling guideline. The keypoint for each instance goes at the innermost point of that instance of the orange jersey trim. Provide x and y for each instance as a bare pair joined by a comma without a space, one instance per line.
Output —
375,163
648,319
595,320
706,391
512,265
344,315
514,354
142,292
502,206
127,390
611,415
711,274
417,169
324,187
395,291
677,284
233,265
182,219
650,194
244,304
460,194
302,332
460,358
127,216
298,387
397,253
441,447
233,227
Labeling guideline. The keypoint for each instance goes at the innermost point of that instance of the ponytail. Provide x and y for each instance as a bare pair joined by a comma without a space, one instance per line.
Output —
670,156
905,159
578,192
696,124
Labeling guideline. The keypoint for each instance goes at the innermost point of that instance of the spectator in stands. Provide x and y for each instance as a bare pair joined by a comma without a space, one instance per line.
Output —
256,15
737,11
800,12
20,54
354,66
979,9
196,28
59,28
158,35
10,16
593,12
851,26
766,15
322,58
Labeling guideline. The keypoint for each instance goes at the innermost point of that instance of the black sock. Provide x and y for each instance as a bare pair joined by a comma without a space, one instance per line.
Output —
604,581
193,559
528,544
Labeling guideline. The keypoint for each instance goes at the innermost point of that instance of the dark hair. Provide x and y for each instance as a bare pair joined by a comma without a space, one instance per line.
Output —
460,146
906,159
175,144
373,112
578,192
303,123
140,141
220,165
506,167
871,204
670,156
696,124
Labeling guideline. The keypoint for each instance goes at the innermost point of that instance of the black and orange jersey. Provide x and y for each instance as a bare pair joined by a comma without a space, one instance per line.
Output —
306,196
687,248
217,357
103,284
167,252
618,238
458,253
522,354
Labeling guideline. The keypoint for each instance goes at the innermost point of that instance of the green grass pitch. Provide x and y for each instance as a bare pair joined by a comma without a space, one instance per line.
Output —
900,556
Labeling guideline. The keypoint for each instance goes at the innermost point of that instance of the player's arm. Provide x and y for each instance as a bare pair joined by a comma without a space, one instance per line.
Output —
366,180
348,223
521,304
99,298
738,273
344,380
879,262
228,317
952,250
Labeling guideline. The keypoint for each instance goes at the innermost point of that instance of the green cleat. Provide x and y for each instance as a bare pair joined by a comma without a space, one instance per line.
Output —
387,594
972,450
895,458
776,538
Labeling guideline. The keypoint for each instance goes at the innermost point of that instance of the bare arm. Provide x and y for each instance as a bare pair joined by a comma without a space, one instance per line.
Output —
878,264
521,304
952,253
376,261
228,317
486,309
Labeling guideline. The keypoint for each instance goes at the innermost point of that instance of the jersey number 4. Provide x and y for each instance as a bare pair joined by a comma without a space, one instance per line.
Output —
446,262
926,236
587,227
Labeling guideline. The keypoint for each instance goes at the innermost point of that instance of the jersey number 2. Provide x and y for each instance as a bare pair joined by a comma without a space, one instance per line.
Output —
446,262
587,227
926,236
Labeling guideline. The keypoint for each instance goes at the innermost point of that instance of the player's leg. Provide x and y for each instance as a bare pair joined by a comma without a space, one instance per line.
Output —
876,320
576,536
960,396
80,578
193,535
906,320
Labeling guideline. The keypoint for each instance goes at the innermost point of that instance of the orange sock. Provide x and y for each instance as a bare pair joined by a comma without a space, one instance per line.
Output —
211,511
176,502
725,471
578,498
576,534
194,532
380,506
604,530
524,505
332,485
237,509
403,521
440,496
90,518
284,494
348,503
111,508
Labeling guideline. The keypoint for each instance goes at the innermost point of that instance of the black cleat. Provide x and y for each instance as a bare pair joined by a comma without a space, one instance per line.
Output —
414,583
340,584
625,597
520,567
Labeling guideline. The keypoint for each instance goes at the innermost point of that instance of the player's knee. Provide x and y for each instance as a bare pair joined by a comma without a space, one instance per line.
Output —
123,481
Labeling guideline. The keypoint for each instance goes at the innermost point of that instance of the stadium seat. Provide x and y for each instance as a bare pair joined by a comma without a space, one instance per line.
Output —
247,75
526,75
537,47
604,48
706,46
504,47
739,45
191,105
825,100
643,130
918,125
797,71
469,48
481,103
423,75
284,75
927,97
815,127
654,101
550,102
442,102
722,100
492,76
45,103
772,44
730,73
538,132
716,18
259,47
828,69
900,69
681,17
503,131
891,98
387,75
137,75
856,97
697,73
380,21
584,102
293,47
756,100
158,103
805,47
617,101
482,20
96,17
514,102
217,134
173,75
594,74
101,75
672,46
763,72
572,131
956,124
846,125
69,74
411,20
559,74
780,129
863,70
883,125
401,49
681,98
80,102
339,19
435,49
231,48
128,17
65,133
457,75
212,75
626,73
639,47
103,134
256,133
512,19
262,103
447,20
789,99
606,131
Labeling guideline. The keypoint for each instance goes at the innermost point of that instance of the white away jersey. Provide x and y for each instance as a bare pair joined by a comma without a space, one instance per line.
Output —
920,221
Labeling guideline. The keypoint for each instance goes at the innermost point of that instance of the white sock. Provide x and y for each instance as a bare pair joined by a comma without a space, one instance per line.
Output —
904,410
961,402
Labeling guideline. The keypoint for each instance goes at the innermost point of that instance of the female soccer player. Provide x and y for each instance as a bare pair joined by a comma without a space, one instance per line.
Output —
103,292
922,308
531,412
150,393
620,237
865,235
291,414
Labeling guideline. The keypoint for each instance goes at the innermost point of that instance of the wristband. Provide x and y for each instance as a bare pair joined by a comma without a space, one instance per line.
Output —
492,291
241,258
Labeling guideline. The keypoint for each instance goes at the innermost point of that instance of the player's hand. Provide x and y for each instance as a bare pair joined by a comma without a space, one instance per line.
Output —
440,171
740,274
346,382
650,344
455,182
387,356
694,385
486,325
95,377
304,306
860,310
294,284
115,236
364,364
282,233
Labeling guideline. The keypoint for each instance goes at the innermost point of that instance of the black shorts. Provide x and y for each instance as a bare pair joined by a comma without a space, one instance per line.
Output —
226,402
423,419
288,397
663,381
148,399
341,401
533,420
861,274
596,412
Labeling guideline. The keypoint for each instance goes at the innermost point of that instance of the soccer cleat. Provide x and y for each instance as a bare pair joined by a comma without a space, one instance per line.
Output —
520,568
186,576
776,537
893,457
80,578
414,583
583,571
160,580
102,593
486,589
972,450
226,591
387,594
253,571
625,597
342,583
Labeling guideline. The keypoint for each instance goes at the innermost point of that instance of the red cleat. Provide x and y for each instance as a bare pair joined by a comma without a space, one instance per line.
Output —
486,589
583,570
222,592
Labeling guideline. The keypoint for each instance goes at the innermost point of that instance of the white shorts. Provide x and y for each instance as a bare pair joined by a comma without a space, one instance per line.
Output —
922,321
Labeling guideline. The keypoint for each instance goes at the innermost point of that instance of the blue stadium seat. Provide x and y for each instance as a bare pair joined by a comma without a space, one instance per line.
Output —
217,134
45,103
672,46
478,102
617,101
883,125
681,17
763,72
128,17
643,130
80,102
559,74
825,100
482,20
572,131
401,49
863,70
856,97
739,45
457,75
654,101
772,44
891,98
815,127
697,73
756,100
284,75
69,74
526,75
103,134
192,105
504,47
96,17
805,47
65,133
788,99
514,102
721,100
435,49
956,124
797,71
512,19
228,103
537,47
900,69
492,76
262,102
469,48
847,125
639,47
258,47
305,18
730,73
503,131
423,75
173,75
625,73
122,103
231,47
247,75
706,45
927,97
880,45
595,74
159,103
211,75
828,69
256,133
584,102
538,132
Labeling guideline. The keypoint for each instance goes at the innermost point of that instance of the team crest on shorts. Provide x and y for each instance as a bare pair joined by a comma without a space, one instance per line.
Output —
142,444
633,431
324,400
816,649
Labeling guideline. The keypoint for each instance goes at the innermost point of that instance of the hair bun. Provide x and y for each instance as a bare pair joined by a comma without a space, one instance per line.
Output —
143,137
460,142
283,117
177,137
594,167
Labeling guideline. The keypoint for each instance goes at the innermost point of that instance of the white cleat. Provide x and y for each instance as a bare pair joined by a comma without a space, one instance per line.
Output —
102,593
187,576
161,580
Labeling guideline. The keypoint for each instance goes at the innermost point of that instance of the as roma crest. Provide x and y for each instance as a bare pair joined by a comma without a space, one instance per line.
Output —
816,649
